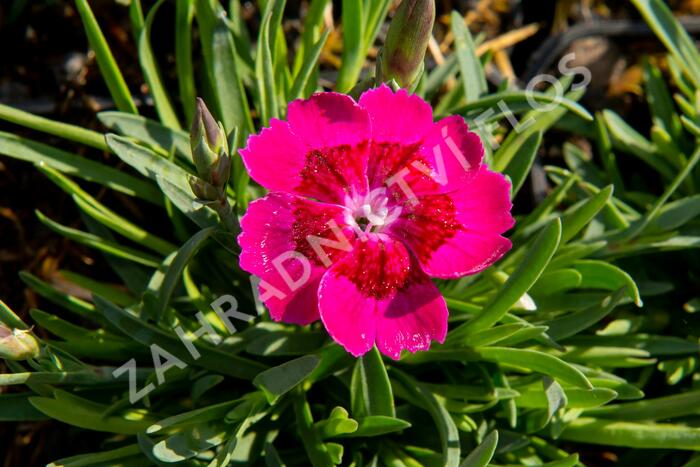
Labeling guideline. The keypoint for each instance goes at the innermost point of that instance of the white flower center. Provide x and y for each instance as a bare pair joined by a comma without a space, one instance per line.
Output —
371,212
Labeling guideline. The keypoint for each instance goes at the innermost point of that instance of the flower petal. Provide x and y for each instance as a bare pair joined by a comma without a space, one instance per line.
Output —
378,293
452,152
416,316
459,233
275,248
321,152
397,117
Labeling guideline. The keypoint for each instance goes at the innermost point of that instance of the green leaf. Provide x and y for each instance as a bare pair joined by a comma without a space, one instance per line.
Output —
175,268
674,215
17,408
370,388
277,381
230,92
286,343
519,168
654,211
9,318
193,417
603,275
84,413
628,139
148,131
557,280
105,60
667,28
535,398
106,216
633,435
152,74
337,424
63,130
353,50
308,68
569,325
377,425
536,361
482,455
516,100
578,217
218,361
100,244
449,436
70,164
50,293
264,73
473,77
128,455
662,408
526,274
184,13
316,450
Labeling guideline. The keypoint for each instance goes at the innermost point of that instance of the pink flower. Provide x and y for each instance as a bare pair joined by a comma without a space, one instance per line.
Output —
368,201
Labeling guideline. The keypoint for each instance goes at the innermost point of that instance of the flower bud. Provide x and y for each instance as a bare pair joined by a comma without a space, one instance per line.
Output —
207,140
17,344
204,191
410,30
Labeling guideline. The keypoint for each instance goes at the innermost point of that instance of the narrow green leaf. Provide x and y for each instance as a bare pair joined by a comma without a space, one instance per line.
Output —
106,216
449,436
569,325
84,413
230,92
676,39
377,425
148,131
482,455
526,274
632,435
473,77
173,275
519,99
218,361
105,60
63,130
536,361
370,387
16,407
128,455
316,451
353,50
662,408
603,275
184,13
277,381
70,164
98,243
152,74
578,217
9,318
308,68
519,168
193,417
264,73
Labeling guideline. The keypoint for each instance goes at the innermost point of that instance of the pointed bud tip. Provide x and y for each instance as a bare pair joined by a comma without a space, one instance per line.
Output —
202,117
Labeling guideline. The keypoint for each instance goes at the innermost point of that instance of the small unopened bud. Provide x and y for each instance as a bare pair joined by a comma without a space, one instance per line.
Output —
207,140
204,191
17,344
410,30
